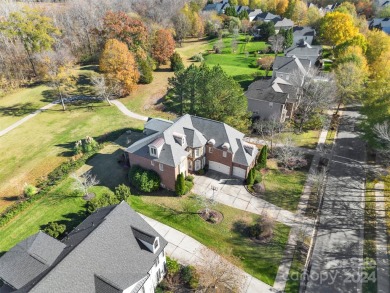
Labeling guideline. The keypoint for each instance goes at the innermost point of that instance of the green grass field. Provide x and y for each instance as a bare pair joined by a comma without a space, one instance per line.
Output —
36,147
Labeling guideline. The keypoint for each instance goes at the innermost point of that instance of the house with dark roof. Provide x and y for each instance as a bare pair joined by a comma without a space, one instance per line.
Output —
267,16
303,50
113,250
220,7
272,99
290,68
303,34
285,24
382,24
189,144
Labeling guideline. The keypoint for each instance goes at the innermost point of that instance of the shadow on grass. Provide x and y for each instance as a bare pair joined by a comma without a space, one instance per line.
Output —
18,110
71,221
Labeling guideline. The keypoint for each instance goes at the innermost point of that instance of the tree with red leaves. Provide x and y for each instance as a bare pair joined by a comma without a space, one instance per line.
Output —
129,30
163,46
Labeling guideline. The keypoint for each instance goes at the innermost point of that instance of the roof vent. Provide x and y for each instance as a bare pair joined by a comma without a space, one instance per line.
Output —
248,148
226,145
211,141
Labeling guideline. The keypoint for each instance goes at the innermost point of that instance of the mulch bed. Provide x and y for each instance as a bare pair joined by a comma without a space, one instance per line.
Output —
88,196
214,217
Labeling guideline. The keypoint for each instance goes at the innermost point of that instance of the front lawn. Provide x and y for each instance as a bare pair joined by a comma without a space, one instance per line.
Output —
306,139
283,188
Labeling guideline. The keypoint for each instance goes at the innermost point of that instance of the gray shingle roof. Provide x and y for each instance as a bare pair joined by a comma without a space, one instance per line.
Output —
198,131
102,255
29,258
291,64
285,22
157,124
276,91
304,51
267,16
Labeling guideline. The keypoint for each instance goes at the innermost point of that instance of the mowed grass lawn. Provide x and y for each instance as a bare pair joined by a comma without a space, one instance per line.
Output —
283,188
62,204
36,147
20,103
241,67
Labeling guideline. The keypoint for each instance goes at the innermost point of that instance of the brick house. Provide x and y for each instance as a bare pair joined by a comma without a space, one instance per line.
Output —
189,144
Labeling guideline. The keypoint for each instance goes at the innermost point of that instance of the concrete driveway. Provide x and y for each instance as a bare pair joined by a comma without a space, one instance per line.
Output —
231,191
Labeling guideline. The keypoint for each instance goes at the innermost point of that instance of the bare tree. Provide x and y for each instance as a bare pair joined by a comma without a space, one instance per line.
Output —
316,93
268,129
105,89
215,273
289,156
84,182
276,42
207,203
382,131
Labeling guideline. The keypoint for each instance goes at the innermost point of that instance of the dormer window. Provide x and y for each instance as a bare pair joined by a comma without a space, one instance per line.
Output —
151,242
153,151
156,146
179,138
156,244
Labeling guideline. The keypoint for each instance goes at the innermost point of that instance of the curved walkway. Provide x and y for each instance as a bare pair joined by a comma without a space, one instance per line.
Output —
127,112
188,251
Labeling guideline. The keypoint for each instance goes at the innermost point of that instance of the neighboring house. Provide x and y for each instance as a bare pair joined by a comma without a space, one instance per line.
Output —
303,33
305,51
272,99
285,24
331,7
267,16
188,145
382,3
220,7
113,250
381,24
252,14
291,68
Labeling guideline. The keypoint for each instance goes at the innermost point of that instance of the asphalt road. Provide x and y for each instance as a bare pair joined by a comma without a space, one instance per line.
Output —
336,264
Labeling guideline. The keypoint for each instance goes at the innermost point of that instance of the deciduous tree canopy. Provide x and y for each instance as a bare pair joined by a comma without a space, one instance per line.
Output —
118,62
163,46
337,28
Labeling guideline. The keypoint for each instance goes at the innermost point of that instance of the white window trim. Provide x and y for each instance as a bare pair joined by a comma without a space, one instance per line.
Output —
152,162
196,153
153,151
198,165
224,154
161,167
210,149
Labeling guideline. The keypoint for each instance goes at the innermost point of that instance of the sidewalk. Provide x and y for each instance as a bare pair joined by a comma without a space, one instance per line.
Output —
382,260
25,119
284,268
188,251
127,112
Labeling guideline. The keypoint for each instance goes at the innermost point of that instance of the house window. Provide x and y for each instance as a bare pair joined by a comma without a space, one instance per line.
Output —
271,104
157,262
155,244
210,149
161,167
224,154
152,162
158,275
190,165
197,165
153,151
196,153
204,161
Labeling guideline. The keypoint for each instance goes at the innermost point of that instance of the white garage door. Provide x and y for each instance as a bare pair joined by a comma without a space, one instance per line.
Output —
219,167
239,172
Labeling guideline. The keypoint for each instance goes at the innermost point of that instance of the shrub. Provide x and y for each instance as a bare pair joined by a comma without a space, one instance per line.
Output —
104,200
258,177
190,178
262,159
176,62
200,172
122,192
144,180
146,71
54,229
90,145
255,230
198,57
180,185
251,177
29,190
188,186
190,276
173,267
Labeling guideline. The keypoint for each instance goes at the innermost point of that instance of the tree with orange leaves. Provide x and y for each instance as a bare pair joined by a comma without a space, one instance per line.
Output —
163,46
281,6
118,63
129,30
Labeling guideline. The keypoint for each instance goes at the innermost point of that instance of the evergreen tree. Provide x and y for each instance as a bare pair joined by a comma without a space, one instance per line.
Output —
251,177
262,159
243,15
146,71
231,11
180,184
176,62
288,37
